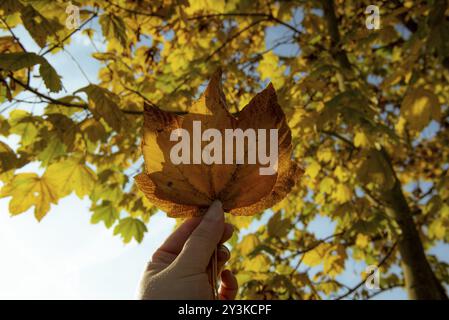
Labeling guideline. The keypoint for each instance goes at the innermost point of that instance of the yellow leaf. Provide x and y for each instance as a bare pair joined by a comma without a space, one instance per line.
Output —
259,263
248,244
361,139
325,155
342,193
316,256
334,263
419,107
71,175
341,173
362,240
27,190
327,185
313,169
269,69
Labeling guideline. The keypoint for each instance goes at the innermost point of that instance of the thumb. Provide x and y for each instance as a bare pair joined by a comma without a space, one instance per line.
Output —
200,246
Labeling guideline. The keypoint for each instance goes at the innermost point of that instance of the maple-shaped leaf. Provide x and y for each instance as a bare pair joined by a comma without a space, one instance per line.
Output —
187,189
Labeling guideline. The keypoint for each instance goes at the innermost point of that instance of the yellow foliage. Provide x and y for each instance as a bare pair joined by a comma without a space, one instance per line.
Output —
362,240
313,169
27,190
248,244
419,107
269,69
342,193
317,256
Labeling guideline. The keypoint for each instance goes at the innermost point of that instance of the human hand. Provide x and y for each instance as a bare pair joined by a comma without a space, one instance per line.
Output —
178,269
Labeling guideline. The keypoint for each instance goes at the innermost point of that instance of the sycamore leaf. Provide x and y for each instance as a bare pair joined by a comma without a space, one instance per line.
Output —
19,60
27,190
259,263
71,175
317,255
103,105
23,124
10,6
375,169
313,169
129,228
113,26
419,107
51,79
278,227
334,263
105,212
248,244
186,189
362,240
52,150
342,193
4,126
39,27
8,158
269,69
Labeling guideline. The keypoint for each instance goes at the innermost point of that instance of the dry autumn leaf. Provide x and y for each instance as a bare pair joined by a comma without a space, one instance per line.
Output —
185,190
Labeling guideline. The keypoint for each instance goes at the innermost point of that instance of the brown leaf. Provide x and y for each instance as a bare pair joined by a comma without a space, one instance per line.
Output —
185,190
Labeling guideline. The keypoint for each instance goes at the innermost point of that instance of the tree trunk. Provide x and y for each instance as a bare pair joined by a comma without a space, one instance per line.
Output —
420,281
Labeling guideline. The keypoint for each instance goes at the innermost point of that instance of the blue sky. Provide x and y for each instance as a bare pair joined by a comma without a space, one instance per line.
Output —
66,257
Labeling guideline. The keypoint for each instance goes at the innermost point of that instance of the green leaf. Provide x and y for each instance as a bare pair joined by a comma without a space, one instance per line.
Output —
39,27
8,158
19,60
4,126
130,228
23,124
105,212
113,27
10,6
51,79
278,227
53,149
103,105
71,175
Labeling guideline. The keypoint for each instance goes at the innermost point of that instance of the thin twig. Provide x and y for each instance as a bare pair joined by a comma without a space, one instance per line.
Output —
84,106
61,43
364,280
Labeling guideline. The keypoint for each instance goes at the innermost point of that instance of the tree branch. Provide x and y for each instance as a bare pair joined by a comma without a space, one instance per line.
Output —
49,99
139,13
234,36
268,16
389,253
61,43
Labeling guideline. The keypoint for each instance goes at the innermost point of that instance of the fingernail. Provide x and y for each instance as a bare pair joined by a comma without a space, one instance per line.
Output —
223,252
215,211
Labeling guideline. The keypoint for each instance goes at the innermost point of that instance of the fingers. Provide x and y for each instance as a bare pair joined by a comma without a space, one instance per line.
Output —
173,245
228,287
227,233
223,255
199,247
